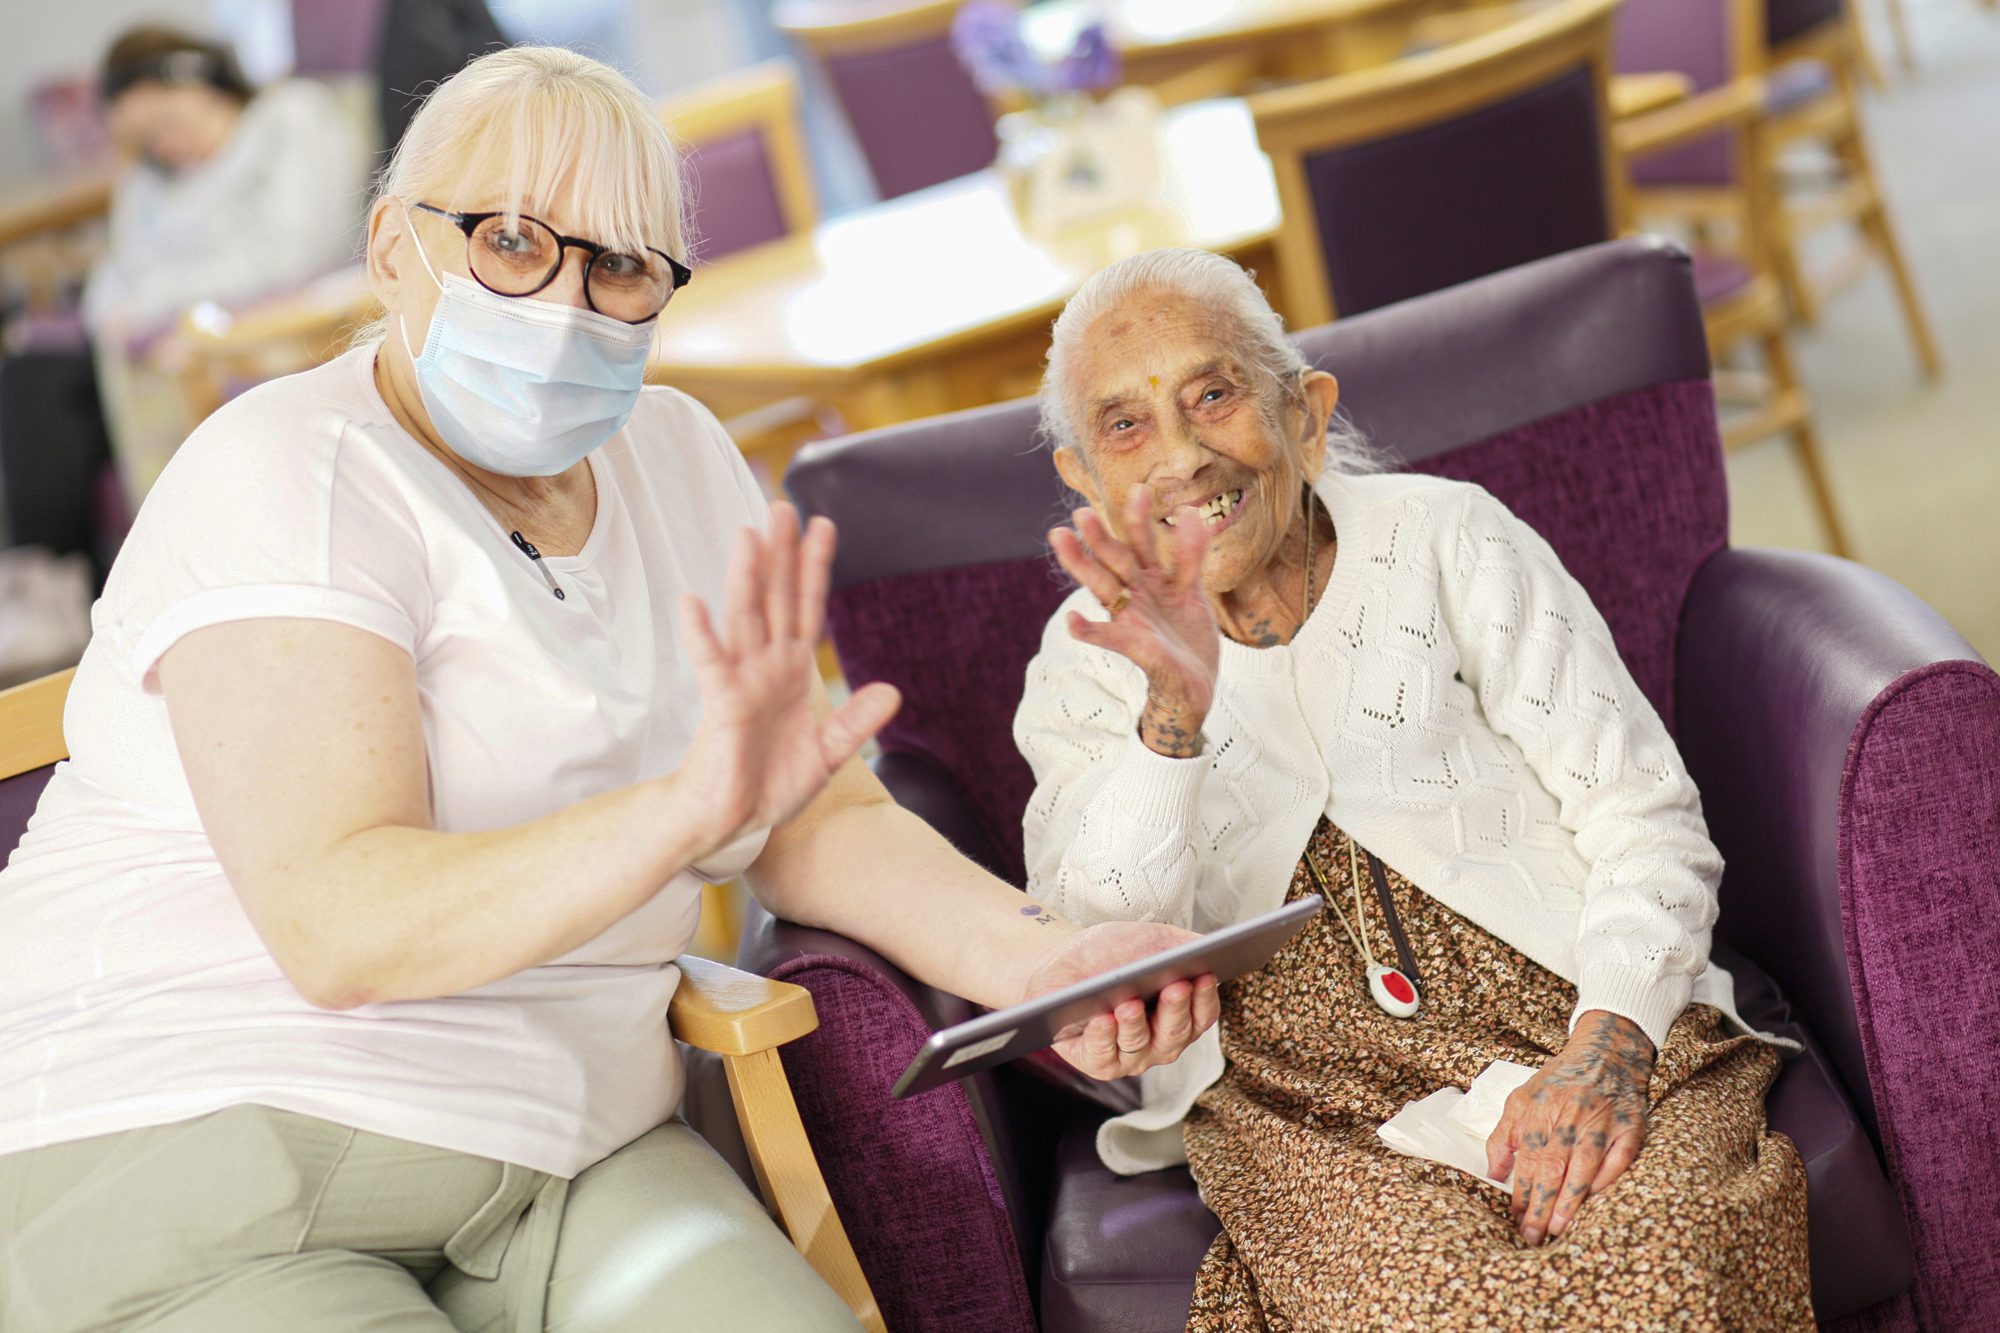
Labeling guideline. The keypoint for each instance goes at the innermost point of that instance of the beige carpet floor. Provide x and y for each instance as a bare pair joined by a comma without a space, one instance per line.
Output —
1915,466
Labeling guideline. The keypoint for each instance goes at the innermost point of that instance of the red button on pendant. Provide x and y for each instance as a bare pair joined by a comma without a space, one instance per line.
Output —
1392,991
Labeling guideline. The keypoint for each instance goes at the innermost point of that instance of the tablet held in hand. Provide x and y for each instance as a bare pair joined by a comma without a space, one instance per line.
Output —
1007,1034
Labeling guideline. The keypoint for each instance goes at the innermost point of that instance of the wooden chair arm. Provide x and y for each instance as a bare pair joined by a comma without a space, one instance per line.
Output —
1638,94
36,212
1733,104
718,1008
745,1018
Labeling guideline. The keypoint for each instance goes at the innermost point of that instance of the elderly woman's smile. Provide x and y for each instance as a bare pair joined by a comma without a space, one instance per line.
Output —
1172,396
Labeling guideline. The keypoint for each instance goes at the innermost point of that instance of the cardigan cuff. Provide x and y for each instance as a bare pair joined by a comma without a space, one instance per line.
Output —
1158,791
1648,997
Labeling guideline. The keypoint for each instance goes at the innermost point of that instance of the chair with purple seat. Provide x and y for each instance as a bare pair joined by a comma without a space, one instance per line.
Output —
1802,689
1490,153
914,110
750,183
1797,66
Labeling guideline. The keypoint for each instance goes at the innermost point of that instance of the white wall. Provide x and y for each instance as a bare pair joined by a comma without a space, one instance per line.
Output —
44,39
665,45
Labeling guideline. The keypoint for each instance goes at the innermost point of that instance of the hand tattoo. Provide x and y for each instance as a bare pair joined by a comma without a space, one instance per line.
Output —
1163,730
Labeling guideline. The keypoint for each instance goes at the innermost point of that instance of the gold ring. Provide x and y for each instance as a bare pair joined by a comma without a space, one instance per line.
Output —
1120,602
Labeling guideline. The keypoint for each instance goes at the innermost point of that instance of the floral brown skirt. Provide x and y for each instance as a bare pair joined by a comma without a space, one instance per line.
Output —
1324,1227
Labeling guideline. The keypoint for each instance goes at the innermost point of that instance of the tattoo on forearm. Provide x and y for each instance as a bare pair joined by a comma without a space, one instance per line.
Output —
1162,729
1042,916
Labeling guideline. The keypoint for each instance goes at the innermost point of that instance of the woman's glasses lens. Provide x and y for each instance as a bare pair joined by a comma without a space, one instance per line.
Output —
519,258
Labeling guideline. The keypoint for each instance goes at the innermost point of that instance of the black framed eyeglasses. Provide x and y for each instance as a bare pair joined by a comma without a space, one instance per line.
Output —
522,256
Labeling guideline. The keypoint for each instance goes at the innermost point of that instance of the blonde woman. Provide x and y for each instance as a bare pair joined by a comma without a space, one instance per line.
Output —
334,966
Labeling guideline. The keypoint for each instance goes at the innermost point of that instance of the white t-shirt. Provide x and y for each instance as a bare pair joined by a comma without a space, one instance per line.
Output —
133,989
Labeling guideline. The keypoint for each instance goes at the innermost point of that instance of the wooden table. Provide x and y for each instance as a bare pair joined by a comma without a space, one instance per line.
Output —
938,300
1162,42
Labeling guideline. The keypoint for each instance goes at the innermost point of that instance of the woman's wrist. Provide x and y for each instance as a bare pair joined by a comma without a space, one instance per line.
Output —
1171,727
690,823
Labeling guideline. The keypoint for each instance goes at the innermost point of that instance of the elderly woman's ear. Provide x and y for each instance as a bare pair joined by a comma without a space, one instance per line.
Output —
1320,393
1075,471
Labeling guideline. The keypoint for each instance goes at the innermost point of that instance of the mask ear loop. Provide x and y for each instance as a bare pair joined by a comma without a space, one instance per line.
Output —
410,224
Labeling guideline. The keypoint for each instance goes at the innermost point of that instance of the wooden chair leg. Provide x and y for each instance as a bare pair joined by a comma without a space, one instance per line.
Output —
1899,29
1864,49
1804,436
1875,227
790,1178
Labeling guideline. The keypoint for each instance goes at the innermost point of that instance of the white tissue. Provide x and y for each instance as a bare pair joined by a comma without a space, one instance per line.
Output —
1452,1127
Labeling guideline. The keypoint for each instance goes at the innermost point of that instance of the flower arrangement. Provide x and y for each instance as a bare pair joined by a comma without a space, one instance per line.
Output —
1008,56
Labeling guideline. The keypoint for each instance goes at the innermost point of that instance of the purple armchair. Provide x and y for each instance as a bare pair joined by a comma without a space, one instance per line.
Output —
1847,743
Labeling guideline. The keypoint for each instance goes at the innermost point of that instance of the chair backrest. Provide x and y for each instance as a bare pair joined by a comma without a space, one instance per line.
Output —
1575,389
333,38
1409,177
1710,41
1786,21
915,112
746,166
31,744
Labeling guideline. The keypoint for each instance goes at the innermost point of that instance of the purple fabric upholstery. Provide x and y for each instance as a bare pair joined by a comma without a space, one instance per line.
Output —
335,37
735,194
915,112
18,798
1507,183
1785,20
1574,389
1847,743
1718,277
1122,1251
1691,37
913,1179
961,675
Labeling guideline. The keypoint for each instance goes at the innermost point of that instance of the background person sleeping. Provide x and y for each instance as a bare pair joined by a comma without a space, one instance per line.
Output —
1286,673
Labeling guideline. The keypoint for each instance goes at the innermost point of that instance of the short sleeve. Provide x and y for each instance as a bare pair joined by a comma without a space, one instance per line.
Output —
275,508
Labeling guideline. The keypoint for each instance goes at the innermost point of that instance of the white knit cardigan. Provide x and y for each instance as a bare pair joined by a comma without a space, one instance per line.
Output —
1457,705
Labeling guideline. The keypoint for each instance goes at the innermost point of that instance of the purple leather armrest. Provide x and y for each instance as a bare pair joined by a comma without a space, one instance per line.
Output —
1847,745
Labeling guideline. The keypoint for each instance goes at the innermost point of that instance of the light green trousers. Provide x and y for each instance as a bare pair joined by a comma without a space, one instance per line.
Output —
259,1220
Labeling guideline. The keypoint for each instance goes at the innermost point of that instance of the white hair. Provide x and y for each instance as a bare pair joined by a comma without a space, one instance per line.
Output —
551,129
1253,333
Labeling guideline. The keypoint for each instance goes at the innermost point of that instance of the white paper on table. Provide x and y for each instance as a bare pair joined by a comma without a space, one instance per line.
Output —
1452,1126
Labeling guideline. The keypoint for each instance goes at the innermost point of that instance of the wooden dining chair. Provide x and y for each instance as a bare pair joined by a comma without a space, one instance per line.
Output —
747,168
915,112
1481,156
223,350
750,180
739,1016
1818,59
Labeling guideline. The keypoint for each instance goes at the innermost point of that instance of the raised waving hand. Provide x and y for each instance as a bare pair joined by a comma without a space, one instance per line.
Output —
1161,619
763,749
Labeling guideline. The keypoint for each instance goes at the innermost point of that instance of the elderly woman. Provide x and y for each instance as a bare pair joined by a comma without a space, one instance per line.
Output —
335,964
1286,673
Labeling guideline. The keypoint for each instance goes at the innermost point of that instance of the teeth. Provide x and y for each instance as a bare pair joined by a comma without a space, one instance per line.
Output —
1215,510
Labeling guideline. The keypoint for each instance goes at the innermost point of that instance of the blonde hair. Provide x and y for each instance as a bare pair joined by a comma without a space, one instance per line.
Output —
554,130
1246,325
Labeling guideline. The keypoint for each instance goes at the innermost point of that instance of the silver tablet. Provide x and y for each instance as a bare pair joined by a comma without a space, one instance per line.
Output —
1007,1034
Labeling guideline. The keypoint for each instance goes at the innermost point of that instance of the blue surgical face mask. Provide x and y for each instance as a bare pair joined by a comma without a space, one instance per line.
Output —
523,387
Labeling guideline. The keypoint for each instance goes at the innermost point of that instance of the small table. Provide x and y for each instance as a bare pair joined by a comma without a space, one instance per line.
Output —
938,300
1161,41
